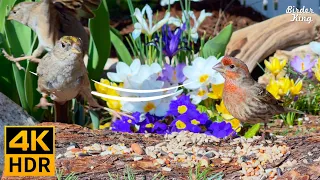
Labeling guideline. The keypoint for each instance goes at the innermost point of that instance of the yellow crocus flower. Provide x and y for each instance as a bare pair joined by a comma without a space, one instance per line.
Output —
217,90
235,123
112,104
273,88
285,85
275,66
296,87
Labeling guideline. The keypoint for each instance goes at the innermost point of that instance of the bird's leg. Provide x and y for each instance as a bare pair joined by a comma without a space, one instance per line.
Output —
33,58
44,102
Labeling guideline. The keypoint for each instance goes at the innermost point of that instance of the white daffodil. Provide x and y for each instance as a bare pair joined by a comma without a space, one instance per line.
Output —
166,2
123,71
199,94
200,73
315,47
142,26
196,22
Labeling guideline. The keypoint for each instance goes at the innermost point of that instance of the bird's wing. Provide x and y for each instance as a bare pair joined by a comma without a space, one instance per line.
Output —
81,8
264,96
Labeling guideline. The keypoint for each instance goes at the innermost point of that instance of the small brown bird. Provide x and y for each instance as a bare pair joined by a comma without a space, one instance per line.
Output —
51,20
244,98
68,77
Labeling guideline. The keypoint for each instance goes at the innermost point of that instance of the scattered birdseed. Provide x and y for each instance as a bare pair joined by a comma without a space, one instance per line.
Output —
189,149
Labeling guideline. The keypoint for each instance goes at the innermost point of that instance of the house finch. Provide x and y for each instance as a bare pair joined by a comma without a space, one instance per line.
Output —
244,98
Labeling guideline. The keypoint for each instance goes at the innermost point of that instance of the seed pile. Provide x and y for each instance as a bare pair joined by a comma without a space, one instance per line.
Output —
189,149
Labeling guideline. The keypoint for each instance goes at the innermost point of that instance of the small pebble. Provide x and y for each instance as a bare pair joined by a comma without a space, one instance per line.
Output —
137,149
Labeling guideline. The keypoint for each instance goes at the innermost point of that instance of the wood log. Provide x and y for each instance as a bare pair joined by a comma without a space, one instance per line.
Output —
256,42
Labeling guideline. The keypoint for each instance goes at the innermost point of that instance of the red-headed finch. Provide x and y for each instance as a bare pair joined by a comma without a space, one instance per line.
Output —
244,98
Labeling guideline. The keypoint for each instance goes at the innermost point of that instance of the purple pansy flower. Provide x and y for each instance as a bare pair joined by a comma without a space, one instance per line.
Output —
197,121
180,123
220,129
126,124
160,128
173,75
181,106
303,65
171,40
147,124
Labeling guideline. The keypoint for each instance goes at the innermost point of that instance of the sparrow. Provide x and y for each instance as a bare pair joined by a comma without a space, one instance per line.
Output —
51,20
244,98
68,76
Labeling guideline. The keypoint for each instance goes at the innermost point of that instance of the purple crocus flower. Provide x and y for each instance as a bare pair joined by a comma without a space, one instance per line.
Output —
173,75
220,129
303,65
171,40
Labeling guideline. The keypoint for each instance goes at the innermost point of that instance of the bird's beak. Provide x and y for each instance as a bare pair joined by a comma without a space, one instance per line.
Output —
218,67
9,18
75,50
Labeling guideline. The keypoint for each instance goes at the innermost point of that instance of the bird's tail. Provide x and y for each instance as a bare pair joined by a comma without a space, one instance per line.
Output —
293,110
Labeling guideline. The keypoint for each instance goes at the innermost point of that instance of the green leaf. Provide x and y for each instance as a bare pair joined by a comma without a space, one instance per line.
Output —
8,86
217,45
19,41
95,119
202,108
252,131
121,49
100,42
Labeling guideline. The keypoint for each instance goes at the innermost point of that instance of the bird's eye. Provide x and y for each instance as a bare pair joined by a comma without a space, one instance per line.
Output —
14,12
63,45
231,66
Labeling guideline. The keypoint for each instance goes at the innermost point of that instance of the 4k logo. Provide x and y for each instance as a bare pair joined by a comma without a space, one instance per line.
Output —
29,151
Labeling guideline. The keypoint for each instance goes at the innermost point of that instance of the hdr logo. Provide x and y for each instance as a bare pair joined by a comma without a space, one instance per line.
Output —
29,151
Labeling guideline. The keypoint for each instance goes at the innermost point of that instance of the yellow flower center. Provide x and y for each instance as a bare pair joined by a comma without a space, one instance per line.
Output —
182,109
149,106
180,124
130,121
195,122
150,125
303,66
203,78
201,93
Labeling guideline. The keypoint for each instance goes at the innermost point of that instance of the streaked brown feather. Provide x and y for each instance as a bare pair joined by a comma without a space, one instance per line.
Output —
81,8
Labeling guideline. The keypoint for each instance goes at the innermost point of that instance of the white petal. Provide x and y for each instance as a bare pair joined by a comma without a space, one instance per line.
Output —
160,23
195,37
141,20
175,21
114,77
190,72
196,99
202,16
136,33
218,78
135,66
155,68
149,15
128,107
162,109
123,70
193,85
315,47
